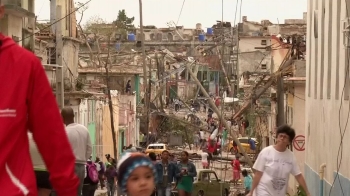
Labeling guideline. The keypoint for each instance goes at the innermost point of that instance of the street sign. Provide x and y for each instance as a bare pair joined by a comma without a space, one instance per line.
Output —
299,143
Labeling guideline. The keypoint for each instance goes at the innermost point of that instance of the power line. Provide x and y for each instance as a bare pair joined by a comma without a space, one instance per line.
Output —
56,21
183,3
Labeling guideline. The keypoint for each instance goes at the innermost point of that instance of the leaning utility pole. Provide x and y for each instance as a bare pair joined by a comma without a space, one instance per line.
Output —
145,97
110,101
59,58
216,110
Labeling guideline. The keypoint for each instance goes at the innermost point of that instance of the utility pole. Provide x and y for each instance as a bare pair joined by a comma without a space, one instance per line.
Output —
237,63
216,110
145,97
149,90
59,60
110,106
53,15
280,101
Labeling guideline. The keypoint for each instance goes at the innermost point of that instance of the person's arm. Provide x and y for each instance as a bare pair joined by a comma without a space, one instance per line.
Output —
88,146
193,171
45,122
177,171
299,176
301,180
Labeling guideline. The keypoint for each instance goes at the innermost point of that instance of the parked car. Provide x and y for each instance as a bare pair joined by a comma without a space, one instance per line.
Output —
157,148
207,184
245,144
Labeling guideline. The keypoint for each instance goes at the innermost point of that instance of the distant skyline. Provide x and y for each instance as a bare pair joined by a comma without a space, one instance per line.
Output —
206,12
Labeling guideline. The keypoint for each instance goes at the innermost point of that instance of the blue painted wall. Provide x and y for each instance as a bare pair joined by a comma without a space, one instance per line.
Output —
313,182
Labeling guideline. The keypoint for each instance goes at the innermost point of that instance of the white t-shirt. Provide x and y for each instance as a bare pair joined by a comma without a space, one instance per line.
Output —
35,155
204,156
201,134
79,139
276,167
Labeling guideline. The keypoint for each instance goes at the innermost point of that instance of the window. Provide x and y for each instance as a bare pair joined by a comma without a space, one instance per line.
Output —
208,176
263,42
244,141
155,147
263,66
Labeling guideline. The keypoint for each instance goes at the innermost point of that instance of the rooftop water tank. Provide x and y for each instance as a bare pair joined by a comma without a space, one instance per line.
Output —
201,37
210,31
131,37
198,26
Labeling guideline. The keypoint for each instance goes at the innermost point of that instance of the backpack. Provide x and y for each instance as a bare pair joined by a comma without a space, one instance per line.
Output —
92,172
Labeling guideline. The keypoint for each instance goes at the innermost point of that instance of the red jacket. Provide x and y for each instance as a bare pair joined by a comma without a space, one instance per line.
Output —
27,103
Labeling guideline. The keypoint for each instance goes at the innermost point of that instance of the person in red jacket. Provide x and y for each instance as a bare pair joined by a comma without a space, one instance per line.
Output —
27,103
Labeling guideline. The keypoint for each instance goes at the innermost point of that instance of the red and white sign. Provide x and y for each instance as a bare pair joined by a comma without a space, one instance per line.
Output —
299,143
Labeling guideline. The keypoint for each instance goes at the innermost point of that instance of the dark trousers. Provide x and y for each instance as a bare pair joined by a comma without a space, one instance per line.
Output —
110,188
177,107
89,189
102,182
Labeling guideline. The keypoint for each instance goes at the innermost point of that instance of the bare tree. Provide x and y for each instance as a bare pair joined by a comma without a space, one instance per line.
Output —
93,27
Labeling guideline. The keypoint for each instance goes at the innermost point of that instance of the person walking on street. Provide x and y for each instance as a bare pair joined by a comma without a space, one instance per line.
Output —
274,165
80,141
111,177
247,181
236,170
91,179
196,142
205,159
101,172
27,103
165,174
185,173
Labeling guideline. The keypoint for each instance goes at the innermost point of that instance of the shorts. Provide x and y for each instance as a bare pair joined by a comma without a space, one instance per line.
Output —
42,179
205,164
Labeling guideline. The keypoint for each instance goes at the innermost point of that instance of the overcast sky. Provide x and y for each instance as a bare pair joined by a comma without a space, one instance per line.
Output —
206,12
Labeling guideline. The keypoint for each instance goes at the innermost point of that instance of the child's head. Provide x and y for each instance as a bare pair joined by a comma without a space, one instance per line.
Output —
244,173
136,174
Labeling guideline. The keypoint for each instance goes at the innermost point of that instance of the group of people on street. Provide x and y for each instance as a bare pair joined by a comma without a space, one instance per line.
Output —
39,154
168,172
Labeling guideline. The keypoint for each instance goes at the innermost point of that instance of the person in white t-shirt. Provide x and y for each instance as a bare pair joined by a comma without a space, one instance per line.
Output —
80,141
205,162
274,165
